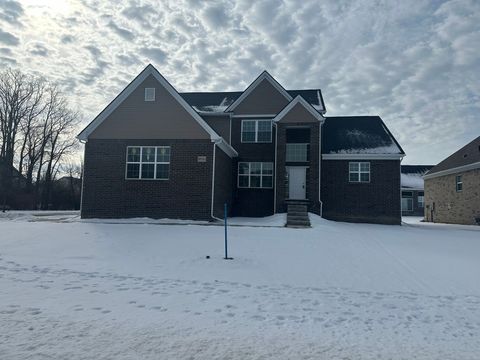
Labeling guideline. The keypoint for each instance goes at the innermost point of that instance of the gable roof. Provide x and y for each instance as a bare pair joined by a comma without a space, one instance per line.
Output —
411,177
415,169
467,158
216,102
299,100
263,76
149,70
358,136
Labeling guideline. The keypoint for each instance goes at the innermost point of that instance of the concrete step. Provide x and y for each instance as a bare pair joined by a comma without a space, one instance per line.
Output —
297,217
297,213
298,223
302,208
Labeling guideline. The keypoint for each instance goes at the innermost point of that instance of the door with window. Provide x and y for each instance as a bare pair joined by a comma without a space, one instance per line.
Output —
297,182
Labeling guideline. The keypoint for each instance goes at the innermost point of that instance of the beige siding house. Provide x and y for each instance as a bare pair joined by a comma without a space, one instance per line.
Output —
452,188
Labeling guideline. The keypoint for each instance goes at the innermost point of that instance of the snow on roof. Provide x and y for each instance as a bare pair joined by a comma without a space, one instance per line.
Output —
413,181
358,135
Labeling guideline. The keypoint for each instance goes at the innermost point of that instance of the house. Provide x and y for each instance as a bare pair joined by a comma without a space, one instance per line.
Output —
411,181
154,152
452,188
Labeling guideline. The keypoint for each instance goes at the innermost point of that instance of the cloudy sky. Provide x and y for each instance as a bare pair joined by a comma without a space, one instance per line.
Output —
415,63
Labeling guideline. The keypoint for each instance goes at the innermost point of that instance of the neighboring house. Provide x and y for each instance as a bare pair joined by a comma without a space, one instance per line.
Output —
452,188
412,189
154,152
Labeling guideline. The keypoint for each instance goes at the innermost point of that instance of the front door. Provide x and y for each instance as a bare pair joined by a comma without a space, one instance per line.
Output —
296,182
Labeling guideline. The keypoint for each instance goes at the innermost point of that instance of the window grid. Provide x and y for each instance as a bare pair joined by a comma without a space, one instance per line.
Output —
297,152
146,165
256,131
458,183
255,175
359,172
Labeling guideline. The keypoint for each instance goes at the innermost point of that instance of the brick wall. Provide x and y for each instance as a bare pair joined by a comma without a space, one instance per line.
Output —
186,195
452,206
376,202
223,183
251,202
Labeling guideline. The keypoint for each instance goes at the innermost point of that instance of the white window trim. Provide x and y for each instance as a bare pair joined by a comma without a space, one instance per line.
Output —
155,163
153,93
256,132
359,172
250,175
458,183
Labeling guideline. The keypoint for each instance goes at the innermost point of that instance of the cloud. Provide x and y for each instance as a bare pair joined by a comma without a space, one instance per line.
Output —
39,50
11,11
124,33
415,62
8,38
152,53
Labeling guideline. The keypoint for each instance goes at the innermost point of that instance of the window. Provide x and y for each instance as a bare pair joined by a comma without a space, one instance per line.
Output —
359,172
149,94
458,183
297,152
407,201
148,162
421,200
255,175
256,131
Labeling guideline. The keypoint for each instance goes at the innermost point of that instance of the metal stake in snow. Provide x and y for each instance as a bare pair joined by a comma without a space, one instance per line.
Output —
226,237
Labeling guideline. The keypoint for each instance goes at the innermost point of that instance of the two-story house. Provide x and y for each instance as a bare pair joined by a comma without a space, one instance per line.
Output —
154,152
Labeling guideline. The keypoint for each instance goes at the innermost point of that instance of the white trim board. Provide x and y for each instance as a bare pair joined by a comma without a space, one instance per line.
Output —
454,170
149,70
263,76
299,100
362,156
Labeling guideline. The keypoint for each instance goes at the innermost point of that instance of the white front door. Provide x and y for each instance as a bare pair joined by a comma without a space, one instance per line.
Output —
296,182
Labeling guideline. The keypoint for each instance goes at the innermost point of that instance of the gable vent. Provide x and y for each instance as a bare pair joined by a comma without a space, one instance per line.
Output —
149,94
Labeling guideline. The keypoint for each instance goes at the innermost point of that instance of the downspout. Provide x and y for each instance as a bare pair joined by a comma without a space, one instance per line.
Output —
275,171
320,170
213,182
83,176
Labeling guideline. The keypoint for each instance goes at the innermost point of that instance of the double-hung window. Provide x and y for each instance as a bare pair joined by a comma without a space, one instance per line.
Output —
407,201
458,183
359,172
255,175
148,162
256,131
421,199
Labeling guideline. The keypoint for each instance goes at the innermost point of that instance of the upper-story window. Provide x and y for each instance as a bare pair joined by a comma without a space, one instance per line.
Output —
256,131
149,94
297,152
359,172
458,183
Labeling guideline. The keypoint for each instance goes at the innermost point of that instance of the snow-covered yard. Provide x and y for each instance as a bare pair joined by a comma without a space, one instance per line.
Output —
90,290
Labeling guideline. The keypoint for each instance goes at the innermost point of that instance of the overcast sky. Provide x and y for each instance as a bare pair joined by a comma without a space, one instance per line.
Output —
414,63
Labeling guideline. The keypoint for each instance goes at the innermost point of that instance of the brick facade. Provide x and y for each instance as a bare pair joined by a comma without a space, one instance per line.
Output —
185,195
376,202
223,183
444,204
312,180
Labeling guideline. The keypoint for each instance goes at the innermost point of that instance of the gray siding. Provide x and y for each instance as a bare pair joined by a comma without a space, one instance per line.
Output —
264,99
221,125
136,118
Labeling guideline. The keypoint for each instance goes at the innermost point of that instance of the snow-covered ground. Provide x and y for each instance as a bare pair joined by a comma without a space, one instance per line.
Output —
71,289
